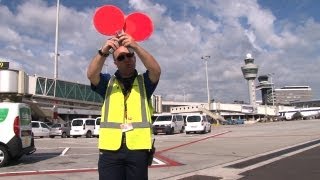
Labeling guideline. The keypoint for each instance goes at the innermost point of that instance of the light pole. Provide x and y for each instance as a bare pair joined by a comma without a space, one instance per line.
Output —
184,94
272,95
56,43
205,58
56,54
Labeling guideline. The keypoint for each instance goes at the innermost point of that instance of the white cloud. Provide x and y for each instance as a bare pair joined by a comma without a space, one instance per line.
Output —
9,35
225,30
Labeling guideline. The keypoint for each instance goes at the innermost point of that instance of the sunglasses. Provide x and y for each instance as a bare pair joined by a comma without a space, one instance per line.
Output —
122,57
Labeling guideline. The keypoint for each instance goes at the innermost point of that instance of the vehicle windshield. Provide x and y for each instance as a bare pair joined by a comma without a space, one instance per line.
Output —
77,123
193,119
163,118
35,124
98,121
56,126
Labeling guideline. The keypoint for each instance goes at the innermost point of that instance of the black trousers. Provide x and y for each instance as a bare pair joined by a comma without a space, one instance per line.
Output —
123,164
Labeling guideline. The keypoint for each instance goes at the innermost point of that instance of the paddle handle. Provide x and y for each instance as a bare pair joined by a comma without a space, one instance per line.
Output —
111,51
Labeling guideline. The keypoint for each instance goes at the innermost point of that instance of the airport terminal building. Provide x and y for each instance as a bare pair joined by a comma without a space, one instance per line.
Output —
63,100
288,95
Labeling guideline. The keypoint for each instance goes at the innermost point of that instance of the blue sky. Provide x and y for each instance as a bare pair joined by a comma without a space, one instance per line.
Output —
282,35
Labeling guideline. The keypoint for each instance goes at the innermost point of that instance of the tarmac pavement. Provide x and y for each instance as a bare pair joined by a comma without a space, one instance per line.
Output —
275,150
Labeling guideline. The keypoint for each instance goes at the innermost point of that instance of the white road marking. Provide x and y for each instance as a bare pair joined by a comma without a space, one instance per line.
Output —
46,171
158,162
64,151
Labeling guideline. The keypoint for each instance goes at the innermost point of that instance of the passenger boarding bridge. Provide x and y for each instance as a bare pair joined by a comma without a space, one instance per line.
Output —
48,97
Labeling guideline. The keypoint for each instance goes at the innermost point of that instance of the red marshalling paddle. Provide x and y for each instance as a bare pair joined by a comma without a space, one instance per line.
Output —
139,26
109,20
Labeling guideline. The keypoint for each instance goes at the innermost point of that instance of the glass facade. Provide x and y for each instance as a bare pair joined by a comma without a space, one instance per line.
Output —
66,90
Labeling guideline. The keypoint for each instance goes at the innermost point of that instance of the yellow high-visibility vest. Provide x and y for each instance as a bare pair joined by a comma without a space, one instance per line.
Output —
113,114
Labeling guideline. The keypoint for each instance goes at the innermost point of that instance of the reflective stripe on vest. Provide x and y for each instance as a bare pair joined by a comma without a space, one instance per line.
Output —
144,122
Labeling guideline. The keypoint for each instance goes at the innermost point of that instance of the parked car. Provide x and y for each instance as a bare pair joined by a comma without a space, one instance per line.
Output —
223,122
50,124
230,121
97,127
40,129
82,127
168,124
154,117
239,121
197,123
60,129
16,137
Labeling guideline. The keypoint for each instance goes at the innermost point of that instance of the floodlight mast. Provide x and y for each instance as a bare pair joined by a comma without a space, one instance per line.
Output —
205,58
56,54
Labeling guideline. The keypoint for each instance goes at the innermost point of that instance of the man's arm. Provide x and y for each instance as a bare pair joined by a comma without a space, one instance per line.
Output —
147,59
150,63
94,69
96,64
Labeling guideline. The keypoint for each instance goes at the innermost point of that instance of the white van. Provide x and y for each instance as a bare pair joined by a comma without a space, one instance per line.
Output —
97,127
16,133
82,127
197,123
40,129
168,123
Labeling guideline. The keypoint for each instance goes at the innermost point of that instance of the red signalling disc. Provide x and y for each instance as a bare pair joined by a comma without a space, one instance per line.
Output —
139,26
108,20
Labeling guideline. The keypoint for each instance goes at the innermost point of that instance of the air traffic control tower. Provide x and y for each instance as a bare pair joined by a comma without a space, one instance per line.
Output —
250,72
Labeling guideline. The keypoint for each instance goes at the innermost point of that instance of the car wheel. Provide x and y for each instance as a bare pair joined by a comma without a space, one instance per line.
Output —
204,131
172,131
89,134
4,156
182,129
51,136
64,135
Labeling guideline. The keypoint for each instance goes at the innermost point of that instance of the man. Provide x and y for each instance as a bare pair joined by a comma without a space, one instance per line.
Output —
125,129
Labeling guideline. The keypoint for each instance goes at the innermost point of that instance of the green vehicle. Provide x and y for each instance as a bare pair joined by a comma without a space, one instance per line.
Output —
16,137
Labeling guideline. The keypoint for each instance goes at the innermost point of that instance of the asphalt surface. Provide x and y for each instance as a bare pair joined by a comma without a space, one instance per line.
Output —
304,165
275,150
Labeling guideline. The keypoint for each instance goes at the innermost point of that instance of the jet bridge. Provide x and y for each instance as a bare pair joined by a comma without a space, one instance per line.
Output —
201,108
